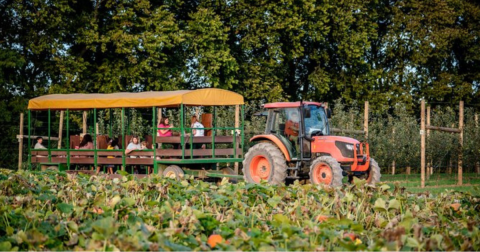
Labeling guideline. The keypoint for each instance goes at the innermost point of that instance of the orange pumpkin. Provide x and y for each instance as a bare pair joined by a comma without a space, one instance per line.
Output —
352,236
214,239
321,218
455,206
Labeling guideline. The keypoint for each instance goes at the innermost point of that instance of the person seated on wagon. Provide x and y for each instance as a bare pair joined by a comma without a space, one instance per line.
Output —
112,145
197,131
132,146
87,143
165,123
38,144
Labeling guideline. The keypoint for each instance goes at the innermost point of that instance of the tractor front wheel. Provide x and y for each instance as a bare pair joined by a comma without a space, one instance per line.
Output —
373,173
264,161
326,170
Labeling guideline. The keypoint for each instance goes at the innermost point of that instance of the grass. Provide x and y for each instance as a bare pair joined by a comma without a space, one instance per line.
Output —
437,183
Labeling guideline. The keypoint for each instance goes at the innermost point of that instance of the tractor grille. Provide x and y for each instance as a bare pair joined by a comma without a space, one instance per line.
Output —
342,146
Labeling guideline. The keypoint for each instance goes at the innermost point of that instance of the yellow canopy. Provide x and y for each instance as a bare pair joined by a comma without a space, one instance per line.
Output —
199,97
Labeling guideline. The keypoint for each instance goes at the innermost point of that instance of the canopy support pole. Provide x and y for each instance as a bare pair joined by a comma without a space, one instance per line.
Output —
68,140
49,127
95,144
243,128
154,140
123,139
60,129
235,145
214,131
182,131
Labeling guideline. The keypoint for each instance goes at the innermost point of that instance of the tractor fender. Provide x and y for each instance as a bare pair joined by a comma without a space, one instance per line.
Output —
275,141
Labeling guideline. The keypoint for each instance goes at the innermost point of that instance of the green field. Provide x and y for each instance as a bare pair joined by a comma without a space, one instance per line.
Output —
57,211
436,183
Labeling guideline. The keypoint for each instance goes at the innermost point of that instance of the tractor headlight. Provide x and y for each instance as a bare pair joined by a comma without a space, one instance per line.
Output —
349,147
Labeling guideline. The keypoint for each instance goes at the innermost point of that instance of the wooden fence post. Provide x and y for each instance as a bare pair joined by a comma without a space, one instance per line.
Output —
60,129
20,143
460,151
422,143
429,163
408,170
393,162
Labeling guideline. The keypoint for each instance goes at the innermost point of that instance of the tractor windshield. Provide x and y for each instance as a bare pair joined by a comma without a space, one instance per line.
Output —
317,123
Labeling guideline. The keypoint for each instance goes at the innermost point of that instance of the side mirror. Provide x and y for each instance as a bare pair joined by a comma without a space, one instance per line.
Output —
329,113
306,113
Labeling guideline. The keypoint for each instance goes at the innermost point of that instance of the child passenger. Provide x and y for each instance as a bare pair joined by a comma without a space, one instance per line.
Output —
112,145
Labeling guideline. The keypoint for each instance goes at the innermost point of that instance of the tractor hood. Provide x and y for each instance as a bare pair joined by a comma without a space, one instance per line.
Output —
336,139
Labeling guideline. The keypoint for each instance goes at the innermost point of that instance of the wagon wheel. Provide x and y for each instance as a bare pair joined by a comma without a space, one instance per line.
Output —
264,161
173,171
326,170
373,173
52,168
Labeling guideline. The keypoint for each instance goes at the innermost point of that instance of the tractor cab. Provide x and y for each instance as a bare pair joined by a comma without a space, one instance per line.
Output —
291,121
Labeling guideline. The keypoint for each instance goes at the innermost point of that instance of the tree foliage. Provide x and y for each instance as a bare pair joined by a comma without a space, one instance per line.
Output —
389,52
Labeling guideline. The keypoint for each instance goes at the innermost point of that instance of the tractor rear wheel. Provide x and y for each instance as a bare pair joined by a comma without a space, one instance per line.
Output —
326,170
373,173
264,161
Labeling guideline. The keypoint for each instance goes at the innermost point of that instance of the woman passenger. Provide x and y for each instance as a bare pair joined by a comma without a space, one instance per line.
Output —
87,143
164,123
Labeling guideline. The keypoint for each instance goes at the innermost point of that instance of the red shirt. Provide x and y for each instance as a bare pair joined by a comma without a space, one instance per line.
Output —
289,128
168,133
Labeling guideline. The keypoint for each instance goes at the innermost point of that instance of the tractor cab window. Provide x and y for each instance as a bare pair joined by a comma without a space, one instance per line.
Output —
317,123
287,125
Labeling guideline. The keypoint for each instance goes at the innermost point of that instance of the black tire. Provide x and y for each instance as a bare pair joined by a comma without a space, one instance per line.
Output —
272,157
322,168
374,174
173,171
230,171
52,168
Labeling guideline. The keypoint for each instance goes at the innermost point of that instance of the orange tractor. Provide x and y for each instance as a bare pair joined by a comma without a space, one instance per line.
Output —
297,145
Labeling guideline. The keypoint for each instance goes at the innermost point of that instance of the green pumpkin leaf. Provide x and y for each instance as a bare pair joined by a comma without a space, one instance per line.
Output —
380,205
65,208
394,204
